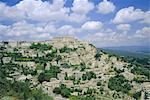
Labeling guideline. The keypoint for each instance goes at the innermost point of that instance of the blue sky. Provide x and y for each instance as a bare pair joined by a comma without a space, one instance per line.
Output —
101,22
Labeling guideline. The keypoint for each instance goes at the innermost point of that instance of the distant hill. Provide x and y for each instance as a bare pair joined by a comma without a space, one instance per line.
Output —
136,51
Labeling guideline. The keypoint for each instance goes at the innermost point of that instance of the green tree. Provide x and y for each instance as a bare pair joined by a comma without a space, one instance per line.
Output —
119,83
137,95
57,90
99,83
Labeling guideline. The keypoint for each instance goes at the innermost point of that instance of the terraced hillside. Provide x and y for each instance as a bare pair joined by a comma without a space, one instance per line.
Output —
68,69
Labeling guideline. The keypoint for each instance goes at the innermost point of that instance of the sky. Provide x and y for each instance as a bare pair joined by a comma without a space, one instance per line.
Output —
105,23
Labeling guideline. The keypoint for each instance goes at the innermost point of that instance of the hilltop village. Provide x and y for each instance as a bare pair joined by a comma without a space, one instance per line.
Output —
68,69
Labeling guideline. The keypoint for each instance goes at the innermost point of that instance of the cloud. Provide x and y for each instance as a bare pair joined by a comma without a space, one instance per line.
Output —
143,33
124,27
10,13
107,39
44,11
3,29
106,7
27,31
129,14
42,20
66,30
42,36
146,18
23,30
80,10
78,18
82,6
92,25
35,10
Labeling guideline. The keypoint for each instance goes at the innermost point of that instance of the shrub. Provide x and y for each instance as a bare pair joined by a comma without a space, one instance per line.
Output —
137,95
57,90
97,56
141,71
65,49
40,47
88,76
48,74
118,70
63,90
99,83
119,83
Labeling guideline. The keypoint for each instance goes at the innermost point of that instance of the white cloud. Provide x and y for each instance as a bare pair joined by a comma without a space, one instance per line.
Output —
36,10
10,13
129,14
43,11
27,31
23,30
43,36
41,20
3,29
107,39
80,10
82,6
143,33
92,25
124,27
66,30
102,39
146,19
78,18
106,7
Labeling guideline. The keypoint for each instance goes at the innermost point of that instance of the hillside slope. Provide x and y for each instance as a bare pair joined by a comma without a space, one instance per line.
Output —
66,68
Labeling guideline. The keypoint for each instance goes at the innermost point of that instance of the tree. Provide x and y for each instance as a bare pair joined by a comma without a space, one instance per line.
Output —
41,77
97,56
83,66
141,71
118,70
37,94
21,89
99,83
88,76
57,90
84,77
137,95
65,92
89,91
48,74
119,83
58,58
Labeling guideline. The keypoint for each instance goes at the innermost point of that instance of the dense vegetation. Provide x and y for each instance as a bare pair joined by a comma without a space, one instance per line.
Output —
141,71
66,92
137,95
17,89
97,56
119,83
88,76
91,97
21,91
40,47
46,75
66,49
63,90
142,61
